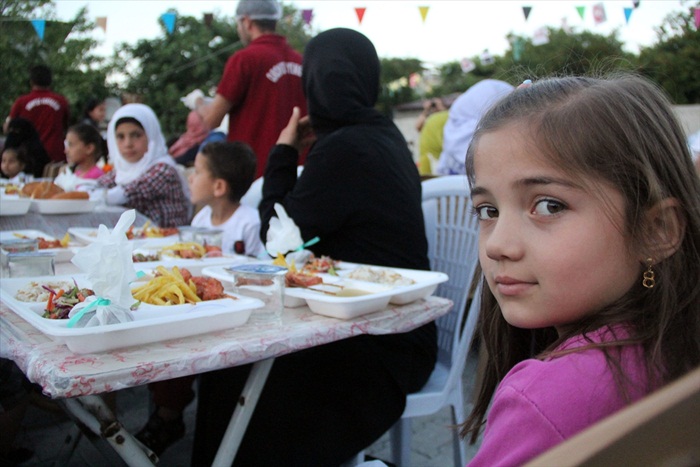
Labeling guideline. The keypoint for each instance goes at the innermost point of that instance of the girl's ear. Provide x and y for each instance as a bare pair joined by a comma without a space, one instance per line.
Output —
665,228
220,187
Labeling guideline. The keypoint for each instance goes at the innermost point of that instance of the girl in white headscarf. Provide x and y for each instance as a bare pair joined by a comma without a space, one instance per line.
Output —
464,115
145,177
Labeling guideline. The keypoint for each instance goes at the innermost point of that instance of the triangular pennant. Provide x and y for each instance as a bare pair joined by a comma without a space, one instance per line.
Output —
208,19
360,12
636,3
517,49
541,36
102,22
423,12
39,27
697,18
628,13
467,65
169,21
581,11
599,13
526,11
307,15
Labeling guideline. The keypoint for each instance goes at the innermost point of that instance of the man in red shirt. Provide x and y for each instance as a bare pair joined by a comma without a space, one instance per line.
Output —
261,83
47,110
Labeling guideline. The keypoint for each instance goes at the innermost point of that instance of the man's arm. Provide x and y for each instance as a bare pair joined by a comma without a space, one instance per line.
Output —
214,113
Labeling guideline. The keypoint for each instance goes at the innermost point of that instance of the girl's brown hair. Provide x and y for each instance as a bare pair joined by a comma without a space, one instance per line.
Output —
620,130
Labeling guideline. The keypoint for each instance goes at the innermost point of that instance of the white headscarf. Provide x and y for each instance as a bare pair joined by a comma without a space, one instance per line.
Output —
127,172
464,115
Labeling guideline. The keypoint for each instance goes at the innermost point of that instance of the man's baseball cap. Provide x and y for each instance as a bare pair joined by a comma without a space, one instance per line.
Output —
259,9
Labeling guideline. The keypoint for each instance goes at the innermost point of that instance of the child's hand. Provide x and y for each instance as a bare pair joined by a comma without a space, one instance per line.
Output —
298,132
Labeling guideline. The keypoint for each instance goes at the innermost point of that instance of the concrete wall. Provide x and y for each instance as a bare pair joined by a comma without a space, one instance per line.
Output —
689,116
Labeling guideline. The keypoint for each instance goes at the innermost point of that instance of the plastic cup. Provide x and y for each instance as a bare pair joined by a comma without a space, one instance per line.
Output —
31,264
265,282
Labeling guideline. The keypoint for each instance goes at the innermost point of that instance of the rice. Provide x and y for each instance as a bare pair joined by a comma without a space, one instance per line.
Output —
34,292
379,276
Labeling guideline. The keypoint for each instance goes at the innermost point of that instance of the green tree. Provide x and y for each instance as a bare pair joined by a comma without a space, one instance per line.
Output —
65,48
674,61
163,69
394,82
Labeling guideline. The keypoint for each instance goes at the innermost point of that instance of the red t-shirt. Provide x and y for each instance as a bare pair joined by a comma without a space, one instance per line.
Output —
48,112
263,84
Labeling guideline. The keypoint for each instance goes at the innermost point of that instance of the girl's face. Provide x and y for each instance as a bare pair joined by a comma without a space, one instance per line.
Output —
99,112
551,251
11,165
132,141
201,181
76,150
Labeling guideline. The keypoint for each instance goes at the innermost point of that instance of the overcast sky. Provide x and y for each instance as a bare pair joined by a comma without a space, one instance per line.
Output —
451,31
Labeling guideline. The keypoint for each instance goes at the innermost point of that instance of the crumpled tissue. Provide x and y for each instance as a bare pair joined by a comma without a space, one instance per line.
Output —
71,182
190,100
109,266
283,234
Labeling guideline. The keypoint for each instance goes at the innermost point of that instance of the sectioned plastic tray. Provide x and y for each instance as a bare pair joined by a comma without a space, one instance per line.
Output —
151,323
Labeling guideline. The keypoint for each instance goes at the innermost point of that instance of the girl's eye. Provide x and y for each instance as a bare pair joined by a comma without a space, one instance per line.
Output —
548,207
486,212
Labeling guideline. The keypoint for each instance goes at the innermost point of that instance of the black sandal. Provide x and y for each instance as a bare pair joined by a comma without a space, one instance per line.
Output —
159,434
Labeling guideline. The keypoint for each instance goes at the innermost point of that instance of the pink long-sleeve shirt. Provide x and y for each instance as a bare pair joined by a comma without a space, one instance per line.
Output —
541,403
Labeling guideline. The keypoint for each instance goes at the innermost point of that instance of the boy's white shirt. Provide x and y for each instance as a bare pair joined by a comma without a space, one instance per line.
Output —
244,225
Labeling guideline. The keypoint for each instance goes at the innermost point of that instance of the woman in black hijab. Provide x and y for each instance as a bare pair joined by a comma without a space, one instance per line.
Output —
360,193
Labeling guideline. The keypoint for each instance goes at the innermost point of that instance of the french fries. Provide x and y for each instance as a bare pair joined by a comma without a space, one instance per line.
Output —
168,288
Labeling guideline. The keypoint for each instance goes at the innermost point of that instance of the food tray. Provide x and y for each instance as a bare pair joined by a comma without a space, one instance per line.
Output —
195,266
353,306
152,323
12,205
62,206
61,255
87,235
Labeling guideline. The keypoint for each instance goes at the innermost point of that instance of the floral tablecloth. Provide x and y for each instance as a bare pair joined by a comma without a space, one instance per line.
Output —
62,373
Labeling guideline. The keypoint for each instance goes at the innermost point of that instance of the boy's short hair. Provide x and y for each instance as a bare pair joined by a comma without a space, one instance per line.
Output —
235,162
40,75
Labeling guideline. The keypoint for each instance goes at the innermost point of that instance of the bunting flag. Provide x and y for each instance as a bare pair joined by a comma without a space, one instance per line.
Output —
307,15
526,11
169,21
581,11
414,79
39,27
517,49
467,65
102,22
541,36
360,12
697,18
208,19
628,13
636,3
599,13
486,57
423,12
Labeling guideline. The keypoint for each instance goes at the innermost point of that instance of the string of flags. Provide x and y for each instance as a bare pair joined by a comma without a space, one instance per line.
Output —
169,18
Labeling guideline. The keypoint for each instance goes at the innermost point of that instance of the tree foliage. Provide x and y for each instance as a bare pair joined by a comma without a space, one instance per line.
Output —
162,70
674,61
65,48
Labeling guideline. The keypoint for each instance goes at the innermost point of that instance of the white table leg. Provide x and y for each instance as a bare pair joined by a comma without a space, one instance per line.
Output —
92,412
241,415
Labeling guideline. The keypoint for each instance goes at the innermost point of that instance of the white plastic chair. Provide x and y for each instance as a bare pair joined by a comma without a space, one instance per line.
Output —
452,232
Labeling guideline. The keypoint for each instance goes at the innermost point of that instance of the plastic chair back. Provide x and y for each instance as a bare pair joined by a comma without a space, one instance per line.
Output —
452,232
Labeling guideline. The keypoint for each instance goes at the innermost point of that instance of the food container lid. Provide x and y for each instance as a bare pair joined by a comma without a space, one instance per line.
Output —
267,269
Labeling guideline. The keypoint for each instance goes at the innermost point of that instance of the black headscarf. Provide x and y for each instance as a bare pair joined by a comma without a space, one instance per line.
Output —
341,80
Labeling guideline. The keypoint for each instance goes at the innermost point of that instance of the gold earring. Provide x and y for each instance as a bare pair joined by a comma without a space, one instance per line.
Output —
648,275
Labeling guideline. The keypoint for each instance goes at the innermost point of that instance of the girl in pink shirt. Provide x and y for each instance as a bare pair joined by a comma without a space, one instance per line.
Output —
590,246
83,150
